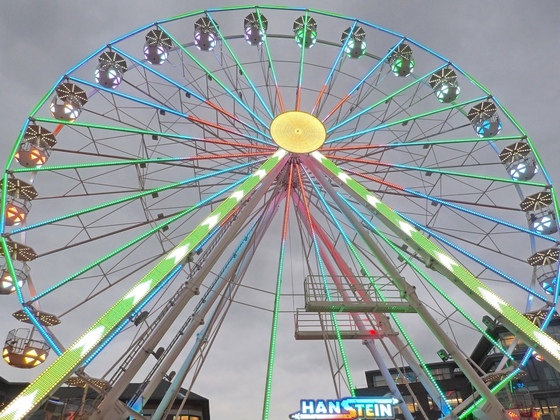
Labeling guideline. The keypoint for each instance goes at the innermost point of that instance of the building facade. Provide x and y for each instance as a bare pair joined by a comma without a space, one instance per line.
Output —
74,403
534,394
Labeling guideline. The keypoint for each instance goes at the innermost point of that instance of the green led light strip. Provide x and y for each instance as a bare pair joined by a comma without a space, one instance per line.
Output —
422,274
66,364
510,317
400,167
405,120
129,198
276,310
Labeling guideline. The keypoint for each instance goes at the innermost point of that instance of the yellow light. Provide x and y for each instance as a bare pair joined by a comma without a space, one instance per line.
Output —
29,360
7,359
38,362
5,352
31,352
298,132
43,356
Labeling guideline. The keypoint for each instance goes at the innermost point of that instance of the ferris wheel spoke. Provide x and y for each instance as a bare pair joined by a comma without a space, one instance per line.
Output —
222,85
303,46
403,168
191,92
332,71
271,63
446,265
417,142
404,120
384,100
135,196
138,239
362,81
433,388
440,235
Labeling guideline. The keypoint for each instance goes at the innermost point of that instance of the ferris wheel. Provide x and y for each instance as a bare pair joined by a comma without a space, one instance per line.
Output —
279,172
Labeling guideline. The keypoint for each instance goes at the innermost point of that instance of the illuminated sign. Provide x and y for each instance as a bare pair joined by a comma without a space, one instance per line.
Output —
347,409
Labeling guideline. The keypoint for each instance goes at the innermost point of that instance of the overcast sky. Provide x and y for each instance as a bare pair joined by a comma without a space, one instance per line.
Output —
511,47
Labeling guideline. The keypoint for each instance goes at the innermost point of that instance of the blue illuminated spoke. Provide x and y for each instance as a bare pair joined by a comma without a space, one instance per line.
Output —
161,108
363,80
184,89
404,120
317,107
233,95
122,200
255,90
383,100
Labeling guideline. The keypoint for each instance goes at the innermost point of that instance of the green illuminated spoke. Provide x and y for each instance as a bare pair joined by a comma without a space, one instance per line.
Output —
449,267
222,85
382,101
132,197
78,352
241,68
404,120
399,167
152,133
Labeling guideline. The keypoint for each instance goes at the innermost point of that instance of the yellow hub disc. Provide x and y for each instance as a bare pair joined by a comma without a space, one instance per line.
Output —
298,132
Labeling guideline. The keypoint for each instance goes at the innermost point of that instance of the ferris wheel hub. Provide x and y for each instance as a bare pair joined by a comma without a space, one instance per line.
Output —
298,132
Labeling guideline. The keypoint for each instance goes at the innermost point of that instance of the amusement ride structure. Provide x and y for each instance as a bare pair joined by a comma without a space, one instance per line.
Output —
304,166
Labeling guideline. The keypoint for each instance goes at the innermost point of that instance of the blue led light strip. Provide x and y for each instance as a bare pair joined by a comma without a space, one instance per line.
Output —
135,196
411,118
481,215
138,239
224,41
384,100
229,92
42,331
183,88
